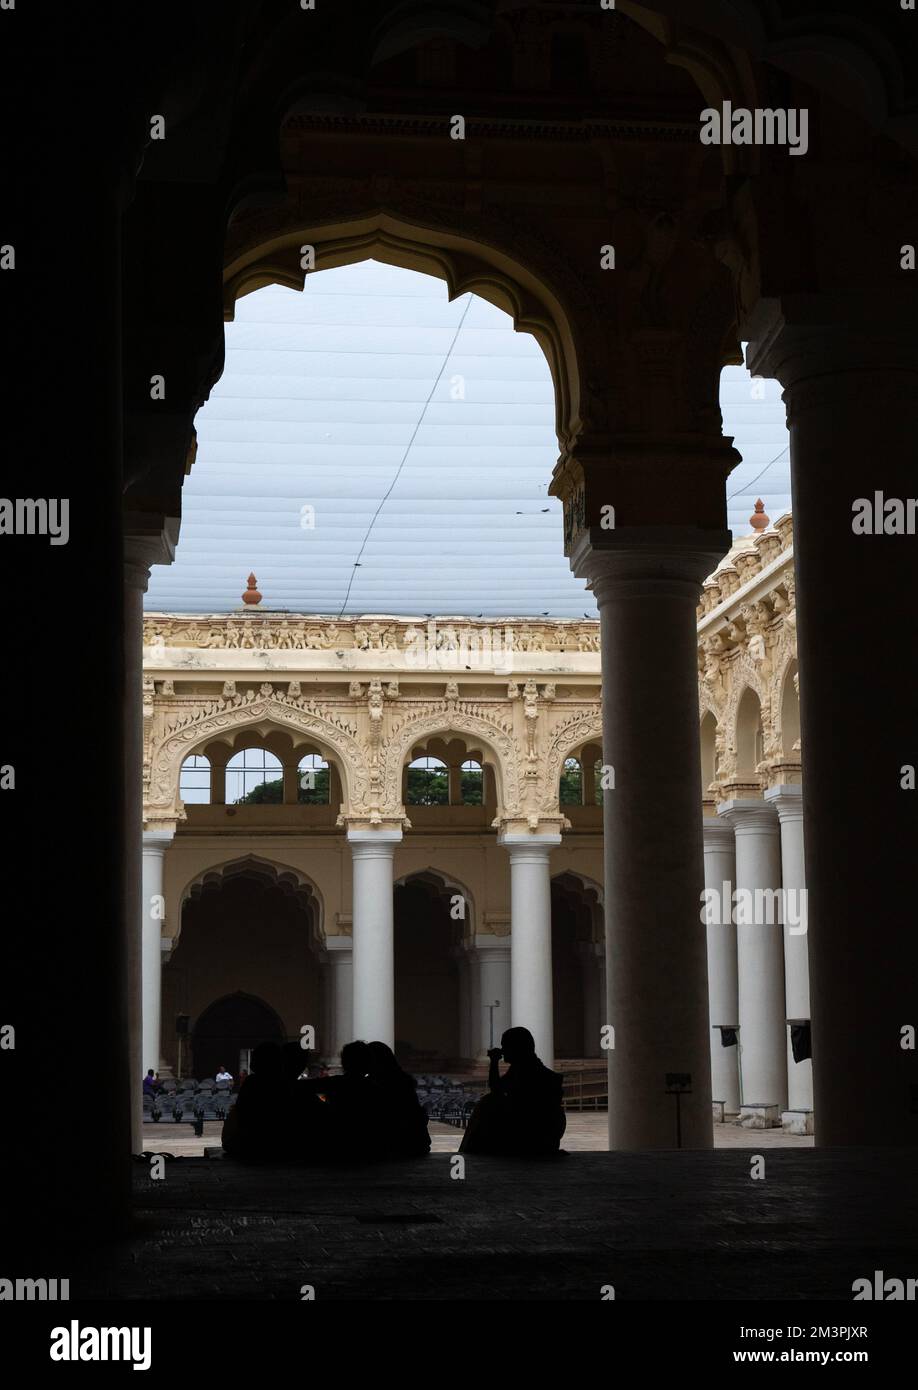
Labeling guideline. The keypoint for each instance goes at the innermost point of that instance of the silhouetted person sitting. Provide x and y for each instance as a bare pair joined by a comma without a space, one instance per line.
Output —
347,1102
522,1113
258,1125
399,1121
306,1124
150,1083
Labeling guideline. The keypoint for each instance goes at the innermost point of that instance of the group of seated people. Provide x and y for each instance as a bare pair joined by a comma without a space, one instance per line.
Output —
371,1111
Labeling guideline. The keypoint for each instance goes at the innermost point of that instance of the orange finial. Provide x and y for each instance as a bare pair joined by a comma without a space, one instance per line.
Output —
759,521
251,594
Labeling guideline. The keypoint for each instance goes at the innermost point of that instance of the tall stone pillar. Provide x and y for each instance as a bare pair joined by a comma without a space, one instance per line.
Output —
760,952
493,986
647,582
849,368
530,925
340,957
723,999
372,851
788,801
155,844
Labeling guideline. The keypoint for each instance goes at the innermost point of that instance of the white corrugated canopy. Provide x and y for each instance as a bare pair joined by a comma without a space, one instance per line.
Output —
421,434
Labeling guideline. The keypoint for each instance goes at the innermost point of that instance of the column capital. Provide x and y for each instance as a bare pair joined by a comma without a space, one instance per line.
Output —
338,948
157,841
787,801
521,846
718,832
145,547
639,480
822,338
367,841
749,817
500,951
647,560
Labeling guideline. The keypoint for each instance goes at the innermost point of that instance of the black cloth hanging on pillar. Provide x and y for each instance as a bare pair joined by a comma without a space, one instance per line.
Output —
728,1037
800,1041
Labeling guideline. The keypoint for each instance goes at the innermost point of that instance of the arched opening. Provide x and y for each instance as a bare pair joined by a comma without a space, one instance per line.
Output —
570,787
472,783
228,1030
313,780
450,771
431,917
254,776
708,754
749,736
249,929
576,948
427,783
790,715
194,780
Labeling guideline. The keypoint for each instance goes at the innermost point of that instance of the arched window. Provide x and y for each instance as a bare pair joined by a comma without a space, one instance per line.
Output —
472,776
194,780
253,777
570,790
708,752
312,781
749,736
597,782
428,782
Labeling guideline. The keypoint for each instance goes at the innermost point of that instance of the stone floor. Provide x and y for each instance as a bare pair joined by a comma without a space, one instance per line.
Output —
586,1133
677,1226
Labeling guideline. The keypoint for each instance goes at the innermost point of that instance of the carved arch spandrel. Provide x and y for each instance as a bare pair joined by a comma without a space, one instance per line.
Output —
220,717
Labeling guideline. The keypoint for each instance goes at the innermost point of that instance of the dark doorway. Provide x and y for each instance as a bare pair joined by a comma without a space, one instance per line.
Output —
426,975
229,1027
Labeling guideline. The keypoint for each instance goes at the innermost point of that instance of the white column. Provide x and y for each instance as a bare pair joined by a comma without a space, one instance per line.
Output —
530,927
760,952
493,986
372,851
463,970
155,844
340,956
723,1000
788,801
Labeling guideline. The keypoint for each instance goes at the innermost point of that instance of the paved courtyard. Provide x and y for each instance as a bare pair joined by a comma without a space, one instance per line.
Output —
586,1133
654,1226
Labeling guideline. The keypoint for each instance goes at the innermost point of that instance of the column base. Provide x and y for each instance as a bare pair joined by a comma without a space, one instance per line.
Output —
798,1122
760,1116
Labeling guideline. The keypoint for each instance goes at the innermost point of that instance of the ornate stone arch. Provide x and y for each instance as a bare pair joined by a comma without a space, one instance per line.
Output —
456,717
431,872
187,733
782,674
577,729
534,282
291,880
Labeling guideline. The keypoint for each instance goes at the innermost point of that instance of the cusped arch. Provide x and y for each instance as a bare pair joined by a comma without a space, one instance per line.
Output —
564,740
496,742
229,717
289,879
529,282
447,883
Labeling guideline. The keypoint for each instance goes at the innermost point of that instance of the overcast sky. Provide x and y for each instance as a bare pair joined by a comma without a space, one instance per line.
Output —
420,433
